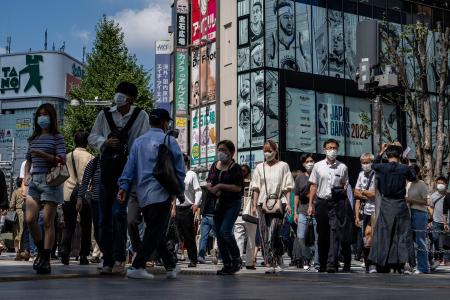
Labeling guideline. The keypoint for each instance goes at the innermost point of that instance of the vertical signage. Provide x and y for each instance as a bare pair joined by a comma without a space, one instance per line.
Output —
181,125
162,74
181,82
203,20
182,35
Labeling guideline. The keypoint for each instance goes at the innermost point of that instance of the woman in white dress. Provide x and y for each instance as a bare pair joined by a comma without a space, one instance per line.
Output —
272,184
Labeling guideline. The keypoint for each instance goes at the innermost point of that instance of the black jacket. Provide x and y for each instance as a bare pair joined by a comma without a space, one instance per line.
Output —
4,203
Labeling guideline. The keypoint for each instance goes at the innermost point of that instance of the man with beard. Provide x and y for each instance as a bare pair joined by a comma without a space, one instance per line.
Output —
256,20
257,123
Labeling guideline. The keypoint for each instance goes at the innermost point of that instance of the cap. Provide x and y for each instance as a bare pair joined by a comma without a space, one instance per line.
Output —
160,113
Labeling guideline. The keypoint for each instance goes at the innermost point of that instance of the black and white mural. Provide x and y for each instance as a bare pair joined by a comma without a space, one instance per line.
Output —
320,40
271,22
257,108
303,40
243,59
336,57
243,8
244,112
350,23
256,20
271,87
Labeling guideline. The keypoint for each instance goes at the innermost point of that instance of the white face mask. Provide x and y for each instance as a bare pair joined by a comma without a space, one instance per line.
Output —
441,187
269,156
120,99
366,167
308,166
331,154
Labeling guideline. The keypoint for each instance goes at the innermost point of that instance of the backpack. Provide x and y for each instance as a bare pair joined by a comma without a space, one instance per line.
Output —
113,160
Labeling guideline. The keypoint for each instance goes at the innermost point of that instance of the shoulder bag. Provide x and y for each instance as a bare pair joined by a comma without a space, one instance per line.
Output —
247,210
272,204
74,194
164,170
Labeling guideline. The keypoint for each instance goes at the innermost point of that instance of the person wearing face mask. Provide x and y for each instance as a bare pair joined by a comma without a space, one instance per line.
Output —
225,183
46,149
301,192
272,180
392,241
365,205
156,203
438,200
328,203
112,135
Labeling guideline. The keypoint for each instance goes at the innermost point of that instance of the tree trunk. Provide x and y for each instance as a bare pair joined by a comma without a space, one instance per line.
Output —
376,123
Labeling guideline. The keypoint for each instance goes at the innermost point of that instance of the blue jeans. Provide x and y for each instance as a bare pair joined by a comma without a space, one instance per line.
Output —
419,222
206,227
308,252
224,220
113,226
436,243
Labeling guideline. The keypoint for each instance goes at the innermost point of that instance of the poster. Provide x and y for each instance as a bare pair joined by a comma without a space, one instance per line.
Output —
271,25
243,59
244,116
336,59
162,74
257,54
207,126
332,119
256,20
250,158
301,125
181,82
195,138
181,125
203,75
303,41
358,138
350,25
203,20
320,40
257,108
272,115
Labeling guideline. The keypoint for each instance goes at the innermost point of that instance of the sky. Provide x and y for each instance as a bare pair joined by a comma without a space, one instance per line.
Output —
73,22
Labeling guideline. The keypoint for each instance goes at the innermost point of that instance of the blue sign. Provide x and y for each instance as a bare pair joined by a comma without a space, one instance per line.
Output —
162,75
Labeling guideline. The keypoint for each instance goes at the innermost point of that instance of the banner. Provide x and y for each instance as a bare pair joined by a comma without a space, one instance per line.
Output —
162,74
358,139
195,138
203,75
332,119
207,135
182,33
181,125
181,82
203,20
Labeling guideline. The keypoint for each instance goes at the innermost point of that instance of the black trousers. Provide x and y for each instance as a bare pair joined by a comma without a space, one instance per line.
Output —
134,218
156,217
70,221
185,226
327,241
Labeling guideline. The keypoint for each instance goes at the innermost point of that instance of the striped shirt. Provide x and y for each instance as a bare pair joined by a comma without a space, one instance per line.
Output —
91,173
50,144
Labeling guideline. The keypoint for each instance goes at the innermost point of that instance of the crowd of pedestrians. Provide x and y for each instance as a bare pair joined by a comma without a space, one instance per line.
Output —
137,203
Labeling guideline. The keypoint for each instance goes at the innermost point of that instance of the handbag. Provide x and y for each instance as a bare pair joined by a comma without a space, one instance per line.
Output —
11,216
247,210
57,175
164,170
310,235
272,204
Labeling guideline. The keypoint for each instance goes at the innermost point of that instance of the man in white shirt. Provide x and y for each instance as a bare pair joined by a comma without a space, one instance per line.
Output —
329,180
186,212
130,122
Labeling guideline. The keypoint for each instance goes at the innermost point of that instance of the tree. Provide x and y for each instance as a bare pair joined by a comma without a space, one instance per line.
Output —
107,65
416,96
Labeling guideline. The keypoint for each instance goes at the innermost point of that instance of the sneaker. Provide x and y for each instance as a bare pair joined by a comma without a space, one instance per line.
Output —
182,257
201,260
306,267
140,273
271,271
100,265
363,265
105,270
417,272
192,265
172,273
372,270
119,268
435,265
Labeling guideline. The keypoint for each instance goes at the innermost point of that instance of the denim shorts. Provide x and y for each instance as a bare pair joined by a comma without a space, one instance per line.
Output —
40,191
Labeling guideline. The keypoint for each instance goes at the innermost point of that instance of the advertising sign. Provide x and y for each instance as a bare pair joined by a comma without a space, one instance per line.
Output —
181,82
203,20
182,6
250,158
203,75
182,27
358,138
162,74
203,136
195,138
332,119
181,125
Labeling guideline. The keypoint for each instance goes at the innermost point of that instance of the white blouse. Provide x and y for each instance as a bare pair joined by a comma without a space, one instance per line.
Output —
278,180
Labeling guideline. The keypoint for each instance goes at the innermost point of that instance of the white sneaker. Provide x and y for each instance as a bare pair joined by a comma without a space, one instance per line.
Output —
417,272
306,267
105,270
119,268
172,274
363,265
100,265
435,265
271,271
140,273
372,270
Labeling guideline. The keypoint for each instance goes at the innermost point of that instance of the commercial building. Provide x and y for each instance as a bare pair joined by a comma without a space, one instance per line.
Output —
28,80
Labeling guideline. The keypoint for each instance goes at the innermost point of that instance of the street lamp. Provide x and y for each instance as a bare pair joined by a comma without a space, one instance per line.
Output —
76,102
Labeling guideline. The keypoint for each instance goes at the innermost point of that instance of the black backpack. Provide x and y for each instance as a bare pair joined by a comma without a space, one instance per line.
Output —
113,160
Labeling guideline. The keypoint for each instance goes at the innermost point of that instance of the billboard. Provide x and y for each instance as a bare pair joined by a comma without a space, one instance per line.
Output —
162,74
203,20
181,82
181,125
203,136
203,75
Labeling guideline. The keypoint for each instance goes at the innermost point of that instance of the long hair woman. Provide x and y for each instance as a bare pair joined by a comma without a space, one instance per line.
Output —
46,149
272,181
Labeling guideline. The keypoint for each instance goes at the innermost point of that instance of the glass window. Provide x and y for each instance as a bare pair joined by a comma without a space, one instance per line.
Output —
256,20
286,35
303,42
257,108
320,40
250,158
358,140
244,116
350,24
243,31
300,120
271,34
243,8
272,115
332,117
257,54
243,60
336,44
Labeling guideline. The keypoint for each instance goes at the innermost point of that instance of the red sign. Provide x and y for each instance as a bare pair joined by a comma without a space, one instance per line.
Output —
71,82
203,20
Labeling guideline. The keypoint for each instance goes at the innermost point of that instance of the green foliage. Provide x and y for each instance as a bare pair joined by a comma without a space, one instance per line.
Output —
107,65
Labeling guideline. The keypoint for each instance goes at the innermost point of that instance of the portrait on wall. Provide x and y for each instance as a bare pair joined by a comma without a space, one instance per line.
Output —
243,31
303,42
271,24
320,40
272,116
244,114
257,54
256,20
350,24
257,108
336,57
243,8
243,59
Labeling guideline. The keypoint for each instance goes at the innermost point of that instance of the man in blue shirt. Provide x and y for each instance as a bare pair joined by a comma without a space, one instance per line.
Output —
156,203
